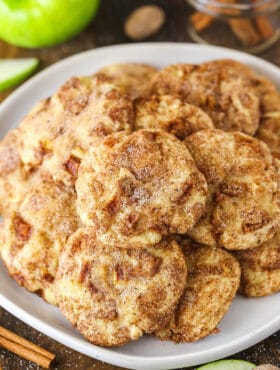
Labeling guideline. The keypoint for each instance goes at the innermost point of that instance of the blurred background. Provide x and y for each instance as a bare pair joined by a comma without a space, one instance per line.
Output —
180,22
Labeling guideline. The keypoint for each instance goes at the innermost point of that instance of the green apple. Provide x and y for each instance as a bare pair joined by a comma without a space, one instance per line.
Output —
38,23
14,71
228,365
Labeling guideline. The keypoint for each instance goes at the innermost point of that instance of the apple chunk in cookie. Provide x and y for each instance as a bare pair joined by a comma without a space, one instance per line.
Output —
139,187
114,295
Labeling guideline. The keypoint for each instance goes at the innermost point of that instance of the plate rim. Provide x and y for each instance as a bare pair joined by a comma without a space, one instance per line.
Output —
106,354
240,54
157,363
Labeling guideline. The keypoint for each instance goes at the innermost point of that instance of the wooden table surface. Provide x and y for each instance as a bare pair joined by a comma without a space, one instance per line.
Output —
107,30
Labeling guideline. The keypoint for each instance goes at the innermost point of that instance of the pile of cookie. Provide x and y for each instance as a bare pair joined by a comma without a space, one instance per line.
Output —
141,201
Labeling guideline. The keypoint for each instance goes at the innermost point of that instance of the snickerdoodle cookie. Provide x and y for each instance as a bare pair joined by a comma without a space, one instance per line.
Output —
34,234
140,187
212,282
114,295
242,208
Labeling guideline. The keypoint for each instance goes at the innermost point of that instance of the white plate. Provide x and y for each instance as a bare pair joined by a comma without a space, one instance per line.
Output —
247,322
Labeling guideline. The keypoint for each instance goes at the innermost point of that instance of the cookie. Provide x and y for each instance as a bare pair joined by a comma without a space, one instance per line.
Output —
14,180
59,130
242,209
34,234
131,77
260,269
114,295
136,188
171,114
269,132
212,282
224,94
12,175
269,129
269,95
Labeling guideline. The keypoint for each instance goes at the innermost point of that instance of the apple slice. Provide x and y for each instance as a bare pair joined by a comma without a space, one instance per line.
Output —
14,71
228,365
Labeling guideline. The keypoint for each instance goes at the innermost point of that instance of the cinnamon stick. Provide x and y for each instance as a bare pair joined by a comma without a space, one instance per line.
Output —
201,21
25,349
244,29
264,27
262,22
248,31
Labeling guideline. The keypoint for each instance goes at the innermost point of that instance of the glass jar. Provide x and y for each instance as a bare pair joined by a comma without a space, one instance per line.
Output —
249,25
